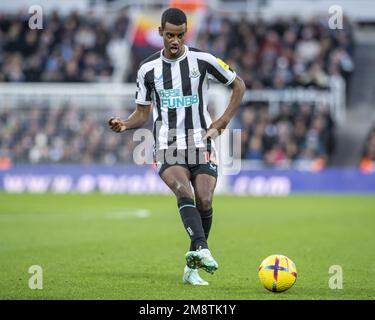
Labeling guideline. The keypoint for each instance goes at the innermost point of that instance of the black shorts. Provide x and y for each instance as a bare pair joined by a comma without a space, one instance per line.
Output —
197,161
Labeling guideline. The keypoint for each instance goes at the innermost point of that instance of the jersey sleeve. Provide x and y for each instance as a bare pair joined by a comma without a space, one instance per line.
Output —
219,70
144,89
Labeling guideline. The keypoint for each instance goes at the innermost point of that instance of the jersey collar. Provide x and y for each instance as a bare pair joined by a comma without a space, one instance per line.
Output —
174,60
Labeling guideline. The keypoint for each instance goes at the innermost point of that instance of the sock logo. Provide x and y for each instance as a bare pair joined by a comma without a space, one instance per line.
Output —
190,231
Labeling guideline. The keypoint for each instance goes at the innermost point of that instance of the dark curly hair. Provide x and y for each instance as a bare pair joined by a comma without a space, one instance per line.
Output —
174,16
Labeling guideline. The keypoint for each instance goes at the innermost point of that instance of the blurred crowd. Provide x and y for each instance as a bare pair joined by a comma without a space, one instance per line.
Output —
277,54
300,135
63,133
73,48
281,53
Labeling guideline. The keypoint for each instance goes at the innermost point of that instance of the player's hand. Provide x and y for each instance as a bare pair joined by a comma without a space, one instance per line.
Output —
216,129
117,125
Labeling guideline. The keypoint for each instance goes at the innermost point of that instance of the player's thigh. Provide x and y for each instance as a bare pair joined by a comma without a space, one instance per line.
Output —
177,178
204,188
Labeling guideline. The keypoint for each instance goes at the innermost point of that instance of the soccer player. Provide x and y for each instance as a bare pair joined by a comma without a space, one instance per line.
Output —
173,83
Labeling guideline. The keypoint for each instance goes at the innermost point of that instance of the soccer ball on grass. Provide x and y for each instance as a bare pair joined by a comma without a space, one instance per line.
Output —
277,273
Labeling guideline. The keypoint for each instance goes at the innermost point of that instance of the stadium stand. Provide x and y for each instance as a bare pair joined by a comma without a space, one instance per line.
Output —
301,134
72,48
61,134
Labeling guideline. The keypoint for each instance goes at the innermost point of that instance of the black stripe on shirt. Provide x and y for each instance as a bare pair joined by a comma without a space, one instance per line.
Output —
212,70
202,66
150,76
149,84
186,91
153,57
172,114
136,92
196,50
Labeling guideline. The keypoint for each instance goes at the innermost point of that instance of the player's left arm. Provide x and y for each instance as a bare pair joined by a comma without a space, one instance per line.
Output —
238,89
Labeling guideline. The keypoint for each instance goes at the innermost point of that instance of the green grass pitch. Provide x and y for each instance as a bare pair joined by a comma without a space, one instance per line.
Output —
132,247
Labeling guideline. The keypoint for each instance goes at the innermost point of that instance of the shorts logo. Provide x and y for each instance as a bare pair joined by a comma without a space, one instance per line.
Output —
207,159
213,167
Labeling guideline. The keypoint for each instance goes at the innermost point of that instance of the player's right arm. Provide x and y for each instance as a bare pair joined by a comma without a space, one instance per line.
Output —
136,120
143,100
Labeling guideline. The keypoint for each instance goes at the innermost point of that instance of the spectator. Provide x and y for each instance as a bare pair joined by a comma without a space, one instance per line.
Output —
367,163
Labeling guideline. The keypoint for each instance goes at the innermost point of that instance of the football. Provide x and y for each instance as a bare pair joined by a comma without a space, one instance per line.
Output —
277,273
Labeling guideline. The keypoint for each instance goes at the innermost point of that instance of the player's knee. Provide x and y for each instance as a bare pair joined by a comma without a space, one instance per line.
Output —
182,191
204,202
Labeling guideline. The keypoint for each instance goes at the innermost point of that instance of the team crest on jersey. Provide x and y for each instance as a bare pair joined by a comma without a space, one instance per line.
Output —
194,73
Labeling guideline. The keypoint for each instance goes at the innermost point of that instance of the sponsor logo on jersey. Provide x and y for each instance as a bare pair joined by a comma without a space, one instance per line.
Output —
173,99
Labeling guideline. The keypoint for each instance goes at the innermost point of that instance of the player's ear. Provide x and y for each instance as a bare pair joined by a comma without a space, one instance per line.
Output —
161,31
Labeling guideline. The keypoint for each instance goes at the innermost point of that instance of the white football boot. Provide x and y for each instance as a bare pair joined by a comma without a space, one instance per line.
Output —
191,276
201,259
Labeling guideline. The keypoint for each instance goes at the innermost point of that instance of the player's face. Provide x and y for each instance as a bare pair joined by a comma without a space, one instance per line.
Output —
173,37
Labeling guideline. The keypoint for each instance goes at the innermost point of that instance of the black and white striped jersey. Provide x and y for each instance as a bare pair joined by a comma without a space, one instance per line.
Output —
178,92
